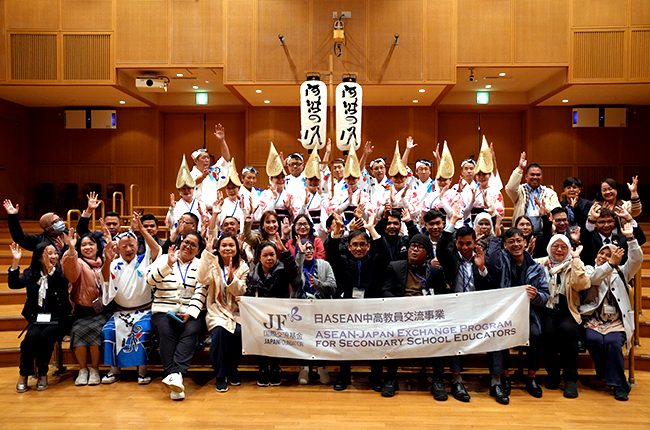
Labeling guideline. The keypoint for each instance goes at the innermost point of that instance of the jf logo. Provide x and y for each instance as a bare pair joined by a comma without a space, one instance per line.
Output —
276,321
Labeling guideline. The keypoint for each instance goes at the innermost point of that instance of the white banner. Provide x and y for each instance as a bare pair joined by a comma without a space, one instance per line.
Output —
313,114
373,329
349,98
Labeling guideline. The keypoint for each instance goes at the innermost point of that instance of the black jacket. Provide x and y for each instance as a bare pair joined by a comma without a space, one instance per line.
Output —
398,245
56,301
592,242
450,261
284,277
397,275
580,213
346,268
28,241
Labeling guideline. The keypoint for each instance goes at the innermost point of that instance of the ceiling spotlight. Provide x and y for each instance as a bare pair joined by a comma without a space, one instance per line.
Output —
488,86
179,75
258,91
267,101
422,90
196,87
502,74
415,101
123,102
565,101
207,82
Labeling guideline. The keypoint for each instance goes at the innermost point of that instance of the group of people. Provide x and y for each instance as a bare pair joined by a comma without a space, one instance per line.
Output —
348,233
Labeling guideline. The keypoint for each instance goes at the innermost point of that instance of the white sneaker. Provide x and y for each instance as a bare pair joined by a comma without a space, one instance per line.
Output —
177,396
324,375
303,376
93,378
82,377
175,382
111,377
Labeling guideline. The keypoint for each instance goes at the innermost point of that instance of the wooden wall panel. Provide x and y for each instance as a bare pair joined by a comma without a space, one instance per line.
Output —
353,55
240,18
386,61
289,62
13,163
553,137
640,54
142,32
599,13
598,145
635,136
136,139
439,42
598,55
640,12
144,175
3,43
554,176
541,31
87,15
484,31
380,126
197,32
32,14
278,125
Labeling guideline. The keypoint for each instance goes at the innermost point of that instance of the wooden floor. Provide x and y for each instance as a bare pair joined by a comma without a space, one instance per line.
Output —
127,405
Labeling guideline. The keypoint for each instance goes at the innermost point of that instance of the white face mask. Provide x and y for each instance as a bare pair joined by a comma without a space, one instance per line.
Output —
58,227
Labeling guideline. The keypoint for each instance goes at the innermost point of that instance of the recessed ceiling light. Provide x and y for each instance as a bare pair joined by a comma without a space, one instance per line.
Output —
180,75
502,74
267,101
258,91
415,101
422,90
565,101
196,87
122,102
488,86
207,82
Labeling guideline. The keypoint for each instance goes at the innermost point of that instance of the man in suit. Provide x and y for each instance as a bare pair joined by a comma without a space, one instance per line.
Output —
601,230
465,271
415,276
577,207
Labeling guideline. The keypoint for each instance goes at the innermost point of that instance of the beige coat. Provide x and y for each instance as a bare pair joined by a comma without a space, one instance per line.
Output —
515,190
575,280
221,312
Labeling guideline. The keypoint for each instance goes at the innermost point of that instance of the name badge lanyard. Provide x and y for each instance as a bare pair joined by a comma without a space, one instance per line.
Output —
180,271
278,199
423,284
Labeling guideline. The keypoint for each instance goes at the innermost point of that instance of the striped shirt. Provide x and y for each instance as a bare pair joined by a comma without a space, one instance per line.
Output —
176,288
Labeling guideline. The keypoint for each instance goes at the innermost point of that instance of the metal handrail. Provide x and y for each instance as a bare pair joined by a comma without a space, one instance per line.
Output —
69,216
636,284
115,194
131,199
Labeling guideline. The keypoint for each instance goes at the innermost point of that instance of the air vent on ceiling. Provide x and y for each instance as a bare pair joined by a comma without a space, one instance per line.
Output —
87,57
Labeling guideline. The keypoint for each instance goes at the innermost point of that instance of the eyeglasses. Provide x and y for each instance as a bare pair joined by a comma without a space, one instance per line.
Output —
602,222
302,224
190,244
514,242
296,164
358,245
560,247
309,249
416,247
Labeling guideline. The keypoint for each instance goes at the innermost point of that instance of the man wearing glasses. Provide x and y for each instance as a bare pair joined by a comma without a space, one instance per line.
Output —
295,180
412,277
187,223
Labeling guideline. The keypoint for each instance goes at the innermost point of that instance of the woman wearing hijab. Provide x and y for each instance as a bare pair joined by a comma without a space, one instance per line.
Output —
609,321
319,284
566,276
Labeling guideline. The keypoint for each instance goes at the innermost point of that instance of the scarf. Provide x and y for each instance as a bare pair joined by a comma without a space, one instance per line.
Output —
556,270
42,286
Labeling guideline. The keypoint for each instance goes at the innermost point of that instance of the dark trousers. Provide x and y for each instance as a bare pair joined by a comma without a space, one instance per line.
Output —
560,334
38,345
607,354
376,368
225,351
177,342
266,363
533,351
